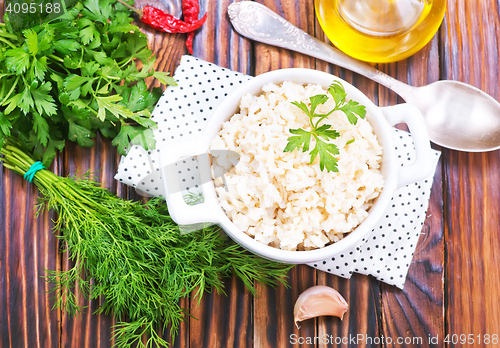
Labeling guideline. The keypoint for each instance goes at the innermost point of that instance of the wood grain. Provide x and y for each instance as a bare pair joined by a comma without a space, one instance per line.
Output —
417,311
453,280
26,245
469,50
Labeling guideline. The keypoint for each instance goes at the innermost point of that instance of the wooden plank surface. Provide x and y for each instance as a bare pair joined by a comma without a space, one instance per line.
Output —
455,273
418,310
469,49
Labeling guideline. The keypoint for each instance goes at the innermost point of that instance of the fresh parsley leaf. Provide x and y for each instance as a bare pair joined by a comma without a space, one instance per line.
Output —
164,78
302,106
4,125
143,118
137,46
316,101
31,41
45,38
326,150
111,71
81,135
12,103
44,102
88,31
136,97
74,81
107,103
59,80
350,141
122,24
71,62
325,132
18,60
135,135
41,128
26,101
66,46
90,69
101,58
353,109
39,68
296,142
87,88
326,158
50,151
97,10
338,93
79,115
121,51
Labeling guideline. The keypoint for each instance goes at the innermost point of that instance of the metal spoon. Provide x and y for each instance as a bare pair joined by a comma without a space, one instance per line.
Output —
458,116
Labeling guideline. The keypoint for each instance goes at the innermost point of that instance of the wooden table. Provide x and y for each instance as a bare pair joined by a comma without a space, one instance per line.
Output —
454,279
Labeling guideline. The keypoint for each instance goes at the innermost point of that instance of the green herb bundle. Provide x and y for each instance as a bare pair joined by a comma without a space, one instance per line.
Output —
70,76
133,256
323,133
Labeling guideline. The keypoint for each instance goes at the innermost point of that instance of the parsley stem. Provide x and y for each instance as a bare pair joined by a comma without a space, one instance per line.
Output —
98,88
90,109
54,57
7,34
81,58
62,67
324,116
10,92
139,12
7,42
125,62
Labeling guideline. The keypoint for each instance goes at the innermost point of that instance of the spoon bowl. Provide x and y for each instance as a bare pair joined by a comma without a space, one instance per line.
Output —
457,115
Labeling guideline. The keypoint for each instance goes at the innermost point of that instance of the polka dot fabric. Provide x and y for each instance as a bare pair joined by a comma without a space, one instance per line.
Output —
182,113
386,253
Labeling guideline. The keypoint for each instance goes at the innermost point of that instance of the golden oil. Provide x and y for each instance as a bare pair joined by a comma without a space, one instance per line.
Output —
380,31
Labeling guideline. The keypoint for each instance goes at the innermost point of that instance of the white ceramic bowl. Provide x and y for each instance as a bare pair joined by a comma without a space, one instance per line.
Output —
380,118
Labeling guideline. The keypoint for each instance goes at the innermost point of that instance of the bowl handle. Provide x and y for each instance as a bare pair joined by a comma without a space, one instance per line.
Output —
179,210
411,115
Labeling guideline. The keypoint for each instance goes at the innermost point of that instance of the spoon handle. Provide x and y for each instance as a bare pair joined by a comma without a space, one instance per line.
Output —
259,23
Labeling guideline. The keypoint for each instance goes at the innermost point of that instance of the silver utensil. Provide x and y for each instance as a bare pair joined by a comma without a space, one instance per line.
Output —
458,116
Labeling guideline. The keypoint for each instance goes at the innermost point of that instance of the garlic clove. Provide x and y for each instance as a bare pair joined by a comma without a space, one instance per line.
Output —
317,301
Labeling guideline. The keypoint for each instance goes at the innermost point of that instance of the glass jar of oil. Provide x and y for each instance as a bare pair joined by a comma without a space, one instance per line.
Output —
380,31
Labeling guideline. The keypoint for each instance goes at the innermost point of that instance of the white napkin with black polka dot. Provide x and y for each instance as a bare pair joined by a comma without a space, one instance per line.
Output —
181,114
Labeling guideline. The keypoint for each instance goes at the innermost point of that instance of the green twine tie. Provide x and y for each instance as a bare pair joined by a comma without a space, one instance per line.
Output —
35,167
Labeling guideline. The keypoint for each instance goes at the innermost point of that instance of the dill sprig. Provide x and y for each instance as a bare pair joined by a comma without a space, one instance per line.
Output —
132,255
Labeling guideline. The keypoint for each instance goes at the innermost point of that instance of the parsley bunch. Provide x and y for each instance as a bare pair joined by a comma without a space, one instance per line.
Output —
71,76
323,148
133,257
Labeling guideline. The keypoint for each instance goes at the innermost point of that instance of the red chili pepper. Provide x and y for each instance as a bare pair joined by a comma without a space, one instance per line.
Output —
159,20
190,10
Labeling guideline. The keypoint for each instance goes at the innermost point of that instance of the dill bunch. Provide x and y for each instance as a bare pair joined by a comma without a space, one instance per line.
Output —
133,256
